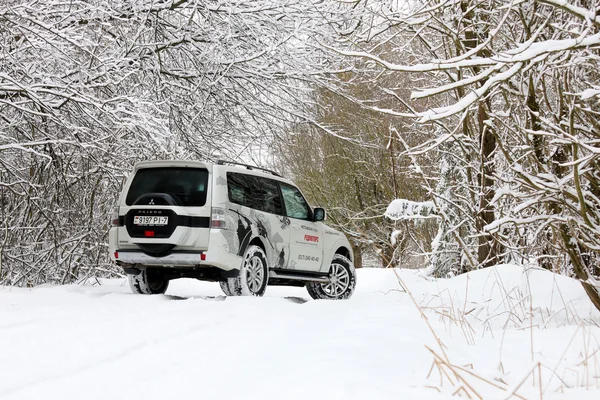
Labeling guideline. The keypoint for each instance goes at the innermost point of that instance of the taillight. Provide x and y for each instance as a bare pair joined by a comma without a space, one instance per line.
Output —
217,218
114,220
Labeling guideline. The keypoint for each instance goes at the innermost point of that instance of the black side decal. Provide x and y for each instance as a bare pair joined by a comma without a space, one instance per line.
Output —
281,258
243,232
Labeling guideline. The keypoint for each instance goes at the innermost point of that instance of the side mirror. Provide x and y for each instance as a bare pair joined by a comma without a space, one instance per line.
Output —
319,214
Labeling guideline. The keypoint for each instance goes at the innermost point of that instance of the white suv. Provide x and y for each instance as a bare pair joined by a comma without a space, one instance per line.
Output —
236,224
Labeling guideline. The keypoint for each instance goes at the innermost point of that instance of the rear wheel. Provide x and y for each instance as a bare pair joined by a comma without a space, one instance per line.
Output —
342,281
225,288
148,281
253,276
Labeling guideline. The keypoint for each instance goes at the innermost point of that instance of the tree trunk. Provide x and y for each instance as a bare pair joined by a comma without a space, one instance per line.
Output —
357,249
538,143
488,249
559,158
579,268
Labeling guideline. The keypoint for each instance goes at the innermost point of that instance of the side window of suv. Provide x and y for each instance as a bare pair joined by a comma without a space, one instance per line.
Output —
295,205
254,192
238,189
269,196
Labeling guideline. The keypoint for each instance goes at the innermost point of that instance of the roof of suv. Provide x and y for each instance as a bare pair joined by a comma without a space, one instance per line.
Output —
253,170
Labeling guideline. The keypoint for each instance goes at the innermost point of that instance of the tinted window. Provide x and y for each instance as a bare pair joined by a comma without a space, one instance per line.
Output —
254,192
186,185
241,189
271,200
295,205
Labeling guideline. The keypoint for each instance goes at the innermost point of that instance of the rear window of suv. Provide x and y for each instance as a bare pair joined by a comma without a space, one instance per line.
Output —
186,185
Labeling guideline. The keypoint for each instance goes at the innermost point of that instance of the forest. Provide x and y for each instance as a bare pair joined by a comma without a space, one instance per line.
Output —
482,117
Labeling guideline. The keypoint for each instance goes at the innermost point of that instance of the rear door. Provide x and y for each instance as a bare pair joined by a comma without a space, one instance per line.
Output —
306,244
257,211
167,205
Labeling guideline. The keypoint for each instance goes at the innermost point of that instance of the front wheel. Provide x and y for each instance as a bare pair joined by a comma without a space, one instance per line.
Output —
342,281
148,281
253,276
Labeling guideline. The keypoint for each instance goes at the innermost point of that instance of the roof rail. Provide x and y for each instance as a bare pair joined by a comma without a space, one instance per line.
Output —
223,162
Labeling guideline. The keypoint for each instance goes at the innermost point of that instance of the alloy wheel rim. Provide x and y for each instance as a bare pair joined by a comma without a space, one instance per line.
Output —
339,281
254,273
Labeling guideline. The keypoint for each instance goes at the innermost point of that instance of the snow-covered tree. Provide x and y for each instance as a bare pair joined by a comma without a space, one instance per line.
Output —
513,88
89,87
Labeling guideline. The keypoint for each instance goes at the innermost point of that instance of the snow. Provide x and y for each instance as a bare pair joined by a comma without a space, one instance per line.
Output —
522,53
435,114
101,342
400,209
589,93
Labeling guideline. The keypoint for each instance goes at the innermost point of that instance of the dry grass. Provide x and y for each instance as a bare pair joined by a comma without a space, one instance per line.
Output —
517,307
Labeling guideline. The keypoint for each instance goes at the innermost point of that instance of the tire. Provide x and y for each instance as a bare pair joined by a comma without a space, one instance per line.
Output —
148,281
253,276
225,288
343,281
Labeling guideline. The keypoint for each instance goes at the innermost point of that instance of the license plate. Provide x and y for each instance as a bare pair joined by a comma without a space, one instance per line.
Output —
150,220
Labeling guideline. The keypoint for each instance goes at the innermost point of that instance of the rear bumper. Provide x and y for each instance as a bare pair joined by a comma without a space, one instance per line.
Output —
174,259
224,261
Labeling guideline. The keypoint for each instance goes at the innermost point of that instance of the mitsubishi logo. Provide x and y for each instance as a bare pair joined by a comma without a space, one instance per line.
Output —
151,202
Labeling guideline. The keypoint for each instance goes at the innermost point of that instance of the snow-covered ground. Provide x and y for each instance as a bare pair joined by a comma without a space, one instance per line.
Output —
101,342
